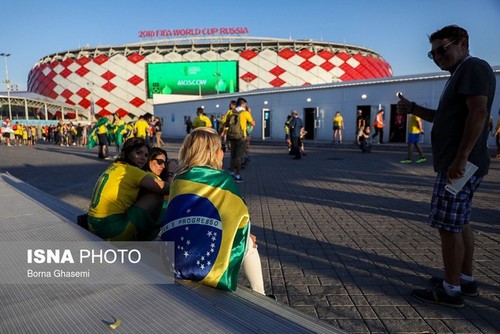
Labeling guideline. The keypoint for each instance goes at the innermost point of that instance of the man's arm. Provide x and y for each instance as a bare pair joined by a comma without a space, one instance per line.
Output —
408,107
474,123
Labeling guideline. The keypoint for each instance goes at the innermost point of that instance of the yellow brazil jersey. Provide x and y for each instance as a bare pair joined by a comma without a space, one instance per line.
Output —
202,120
228,113
413,125
117,124
245,118
102,129
337,121
19,130
116,190
141,128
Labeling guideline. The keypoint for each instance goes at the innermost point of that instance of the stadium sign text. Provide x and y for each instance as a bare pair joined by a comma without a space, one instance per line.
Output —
193,32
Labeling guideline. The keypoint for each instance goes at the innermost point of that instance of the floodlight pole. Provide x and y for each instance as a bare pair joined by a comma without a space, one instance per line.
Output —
90,84
7,82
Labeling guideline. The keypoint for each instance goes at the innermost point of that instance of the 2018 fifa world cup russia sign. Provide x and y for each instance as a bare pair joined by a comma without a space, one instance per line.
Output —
193,32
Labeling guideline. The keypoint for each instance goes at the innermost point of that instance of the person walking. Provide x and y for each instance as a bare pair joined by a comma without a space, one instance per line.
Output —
235,131
459,135
296,127
158,132
415,129
201,119
378,124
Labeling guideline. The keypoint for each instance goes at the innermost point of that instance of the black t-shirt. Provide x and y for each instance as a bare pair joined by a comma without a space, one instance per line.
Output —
473,77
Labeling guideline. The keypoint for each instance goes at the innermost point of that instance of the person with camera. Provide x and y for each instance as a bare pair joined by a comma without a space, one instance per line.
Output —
459,138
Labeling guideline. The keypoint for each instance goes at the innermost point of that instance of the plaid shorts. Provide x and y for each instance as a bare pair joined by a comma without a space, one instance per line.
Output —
449,212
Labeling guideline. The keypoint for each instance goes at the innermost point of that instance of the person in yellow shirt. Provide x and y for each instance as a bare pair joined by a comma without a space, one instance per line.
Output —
116,212
18,133
118,130
201,120
238,145
223,118
24,130
102,137
128,132
338,127
415,129
141,128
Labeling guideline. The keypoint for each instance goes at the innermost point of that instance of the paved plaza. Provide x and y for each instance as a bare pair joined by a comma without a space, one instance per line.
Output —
340,233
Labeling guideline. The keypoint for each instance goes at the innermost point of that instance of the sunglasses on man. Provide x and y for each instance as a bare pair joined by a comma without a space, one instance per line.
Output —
441,50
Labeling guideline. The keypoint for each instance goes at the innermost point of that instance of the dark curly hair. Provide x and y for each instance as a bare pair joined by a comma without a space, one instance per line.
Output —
451,32
130,145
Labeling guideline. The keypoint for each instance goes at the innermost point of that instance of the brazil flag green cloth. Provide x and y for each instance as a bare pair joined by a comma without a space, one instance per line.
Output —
209,222
93,141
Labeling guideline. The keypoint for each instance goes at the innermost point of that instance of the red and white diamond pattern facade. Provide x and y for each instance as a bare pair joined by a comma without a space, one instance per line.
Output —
115,78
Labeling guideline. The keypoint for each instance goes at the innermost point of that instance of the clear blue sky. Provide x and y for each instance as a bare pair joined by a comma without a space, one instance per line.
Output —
396,29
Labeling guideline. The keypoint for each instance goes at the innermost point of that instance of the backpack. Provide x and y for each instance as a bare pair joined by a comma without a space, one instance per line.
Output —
234,130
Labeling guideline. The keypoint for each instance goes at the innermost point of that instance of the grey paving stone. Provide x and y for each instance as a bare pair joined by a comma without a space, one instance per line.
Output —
344,240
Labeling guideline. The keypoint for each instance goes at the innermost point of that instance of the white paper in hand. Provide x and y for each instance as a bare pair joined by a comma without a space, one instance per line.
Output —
457,184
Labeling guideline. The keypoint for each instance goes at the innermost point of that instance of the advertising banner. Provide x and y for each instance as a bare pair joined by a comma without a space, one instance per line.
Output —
192,78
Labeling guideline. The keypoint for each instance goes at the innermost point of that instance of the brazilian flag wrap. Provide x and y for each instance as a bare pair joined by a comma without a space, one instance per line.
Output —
119,134
209,223
93,141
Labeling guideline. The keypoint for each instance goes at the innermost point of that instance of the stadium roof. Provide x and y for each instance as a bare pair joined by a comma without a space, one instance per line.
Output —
37,101
219,44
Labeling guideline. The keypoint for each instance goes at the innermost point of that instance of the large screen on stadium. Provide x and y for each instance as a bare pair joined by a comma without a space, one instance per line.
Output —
192,78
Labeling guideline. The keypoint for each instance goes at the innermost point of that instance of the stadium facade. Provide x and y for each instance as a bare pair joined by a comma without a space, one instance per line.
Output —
123,79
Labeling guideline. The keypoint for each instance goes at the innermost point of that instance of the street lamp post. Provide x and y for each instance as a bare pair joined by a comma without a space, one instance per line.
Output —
7,81
90,84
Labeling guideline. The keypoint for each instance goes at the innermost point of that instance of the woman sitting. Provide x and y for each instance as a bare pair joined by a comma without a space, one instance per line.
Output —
159,164
116,212
208,219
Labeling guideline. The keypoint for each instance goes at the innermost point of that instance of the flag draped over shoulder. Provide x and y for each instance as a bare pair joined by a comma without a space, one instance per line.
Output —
93,133
119,134
209,223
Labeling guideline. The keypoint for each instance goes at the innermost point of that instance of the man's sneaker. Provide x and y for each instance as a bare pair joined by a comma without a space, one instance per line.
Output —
238,179
421,160
468,289
438,296
405,161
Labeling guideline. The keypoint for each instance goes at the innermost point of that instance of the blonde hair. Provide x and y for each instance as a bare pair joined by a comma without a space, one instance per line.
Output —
199,148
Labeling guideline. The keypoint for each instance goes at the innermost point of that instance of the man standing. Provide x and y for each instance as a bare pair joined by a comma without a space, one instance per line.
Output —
459,135
141,127
235,131
296,125
415,129
200,119
6,130
379,126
